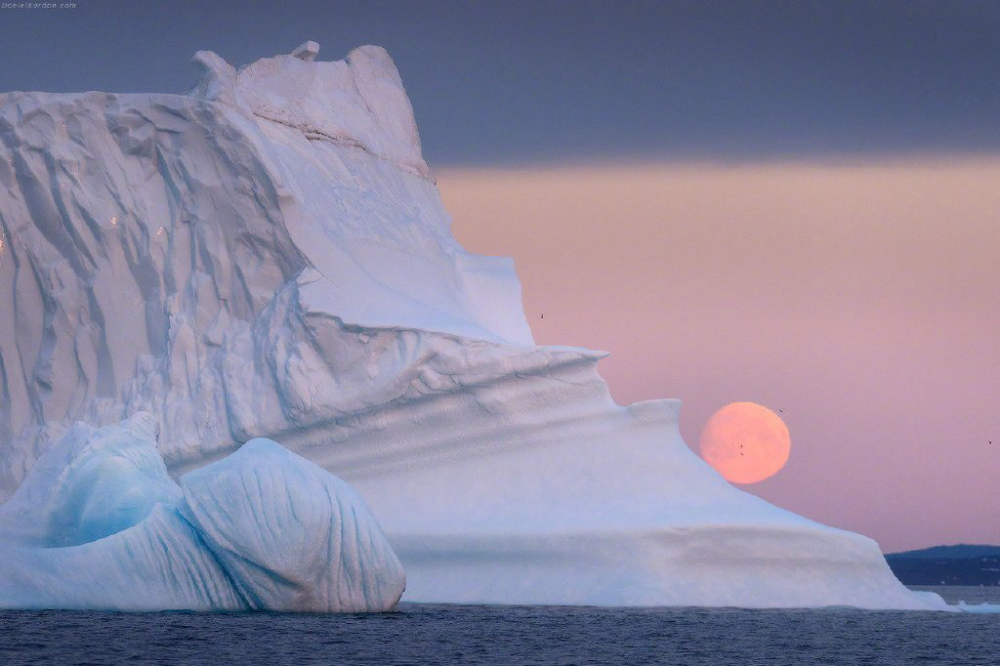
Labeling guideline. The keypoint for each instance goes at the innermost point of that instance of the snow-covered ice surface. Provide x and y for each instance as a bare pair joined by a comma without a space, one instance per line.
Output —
99,524
268,256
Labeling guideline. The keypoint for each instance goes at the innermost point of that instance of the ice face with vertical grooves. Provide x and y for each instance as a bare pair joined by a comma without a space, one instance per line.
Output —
268,256
273,521
145,238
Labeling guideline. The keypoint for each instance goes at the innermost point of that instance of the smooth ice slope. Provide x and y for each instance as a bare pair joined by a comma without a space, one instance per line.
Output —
268,257
262,529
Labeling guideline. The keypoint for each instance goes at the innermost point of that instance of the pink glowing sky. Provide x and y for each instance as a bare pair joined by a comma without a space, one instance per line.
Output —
864,301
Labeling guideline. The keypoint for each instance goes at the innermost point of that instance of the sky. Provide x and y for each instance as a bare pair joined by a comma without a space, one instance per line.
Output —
862,301
793,203
515,81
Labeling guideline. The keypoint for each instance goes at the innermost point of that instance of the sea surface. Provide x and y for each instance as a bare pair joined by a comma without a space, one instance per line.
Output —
474,635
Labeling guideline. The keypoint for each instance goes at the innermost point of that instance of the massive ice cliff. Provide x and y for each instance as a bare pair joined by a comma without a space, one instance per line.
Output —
268,256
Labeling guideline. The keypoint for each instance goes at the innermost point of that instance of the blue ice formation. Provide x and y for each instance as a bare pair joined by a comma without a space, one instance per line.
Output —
99,524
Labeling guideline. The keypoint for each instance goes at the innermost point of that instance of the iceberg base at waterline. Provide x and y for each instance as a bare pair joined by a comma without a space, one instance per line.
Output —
99,524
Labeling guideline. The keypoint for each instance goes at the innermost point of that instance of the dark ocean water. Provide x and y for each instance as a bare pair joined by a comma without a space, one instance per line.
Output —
472,635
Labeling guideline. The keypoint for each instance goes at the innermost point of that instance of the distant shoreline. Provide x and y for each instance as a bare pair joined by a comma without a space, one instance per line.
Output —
962,565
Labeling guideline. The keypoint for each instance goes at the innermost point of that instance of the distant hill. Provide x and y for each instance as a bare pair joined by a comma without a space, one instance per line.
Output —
962,564
961,551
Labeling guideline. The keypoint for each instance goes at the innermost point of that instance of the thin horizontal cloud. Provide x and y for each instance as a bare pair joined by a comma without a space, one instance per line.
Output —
542,81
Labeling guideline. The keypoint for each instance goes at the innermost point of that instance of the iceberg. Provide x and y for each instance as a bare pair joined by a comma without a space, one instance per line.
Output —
268,256
262,529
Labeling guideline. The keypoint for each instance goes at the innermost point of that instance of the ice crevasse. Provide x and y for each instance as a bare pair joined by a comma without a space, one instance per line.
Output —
268,256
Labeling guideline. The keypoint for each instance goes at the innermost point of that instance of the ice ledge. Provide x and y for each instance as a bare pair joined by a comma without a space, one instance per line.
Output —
358,102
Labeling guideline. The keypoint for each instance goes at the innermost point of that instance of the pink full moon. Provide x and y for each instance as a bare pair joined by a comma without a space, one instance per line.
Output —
745,442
